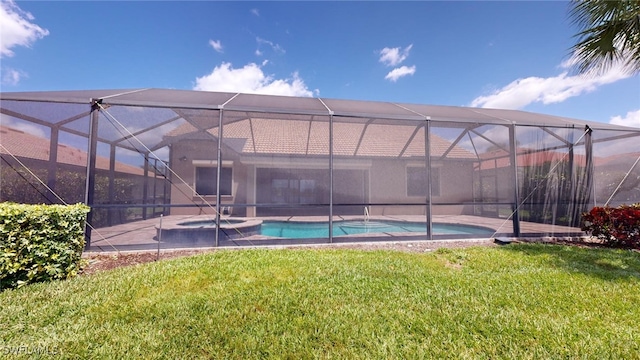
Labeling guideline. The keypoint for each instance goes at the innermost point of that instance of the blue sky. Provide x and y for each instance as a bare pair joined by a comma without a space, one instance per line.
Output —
507,54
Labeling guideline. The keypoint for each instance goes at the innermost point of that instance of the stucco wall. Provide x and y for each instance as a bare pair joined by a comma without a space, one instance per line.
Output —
183,155
385,181
389,185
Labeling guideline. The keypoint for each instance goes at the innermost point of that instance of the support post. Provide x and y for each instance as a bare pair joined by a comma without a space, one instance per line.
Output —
429,202
154,192
590,169
91,167
145,186
331,177
513,158
219,176
569,208
112,181
52,169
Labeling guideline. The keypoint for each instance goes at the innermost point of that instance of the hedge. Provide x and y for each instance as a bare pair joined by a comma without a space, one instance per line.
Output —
617,227
40,242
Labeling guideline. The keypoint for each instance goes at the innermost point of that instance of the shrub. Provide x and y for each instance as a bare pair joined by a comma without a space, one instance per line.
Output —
617,227
40,242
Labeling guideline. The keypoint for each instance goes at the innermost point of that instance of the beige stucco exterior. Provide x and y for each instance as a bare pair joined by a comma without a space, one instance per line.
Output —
356,181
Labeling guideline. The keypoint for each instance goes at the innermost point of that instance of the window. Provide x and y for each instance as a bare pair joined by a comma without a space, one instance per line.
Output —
206,180
293,191
292,186
417,181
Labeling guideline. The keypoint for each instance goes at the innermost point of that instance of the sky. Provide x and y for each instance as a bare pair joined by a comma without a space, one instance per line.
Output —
501,54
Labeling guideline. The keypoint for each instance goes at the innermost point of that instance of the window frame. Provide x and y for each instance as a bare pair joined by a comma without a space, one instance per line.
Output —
200,164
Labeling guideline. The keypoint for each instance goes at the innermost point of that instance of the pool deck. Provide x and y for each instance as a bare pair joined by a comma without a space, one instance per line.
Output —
142,235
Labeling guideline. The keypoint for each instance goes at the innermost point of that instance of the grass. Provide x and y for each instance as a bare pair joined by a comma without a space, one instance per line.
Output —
517,301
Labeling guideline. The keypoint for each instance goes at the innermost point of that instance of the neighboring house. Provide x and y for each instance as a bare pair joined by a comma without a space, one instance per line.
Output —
64,172
33,148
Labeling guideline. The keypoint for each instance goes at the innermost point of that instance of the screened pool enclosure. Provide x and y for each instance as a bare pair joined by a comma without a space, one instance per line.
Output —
174,168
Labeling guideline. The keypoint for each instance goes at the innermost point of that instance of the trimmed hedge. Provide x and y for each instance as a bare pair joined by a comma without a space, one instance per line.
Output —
40,242
616,227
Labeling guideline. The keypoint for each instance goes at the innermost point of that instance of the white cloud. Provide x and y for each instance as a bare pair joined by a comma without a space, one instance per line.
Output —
255,12
556,89
397,73
276,47
258,52
16,28
631,119
251,79
29,128
394,56
216,45
12,76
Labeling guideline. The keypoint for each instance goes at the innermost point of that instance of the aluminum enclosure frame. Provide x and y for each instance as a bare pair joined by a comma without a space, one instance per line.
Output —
424,116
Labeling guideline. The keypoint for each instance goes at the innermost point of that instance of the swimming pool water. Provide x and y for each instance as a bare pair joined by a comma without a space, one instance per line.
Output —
301,230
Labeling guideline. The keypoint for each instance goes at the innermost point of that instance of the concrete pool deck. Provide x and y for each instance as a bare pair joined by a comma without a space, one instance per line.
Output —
142,235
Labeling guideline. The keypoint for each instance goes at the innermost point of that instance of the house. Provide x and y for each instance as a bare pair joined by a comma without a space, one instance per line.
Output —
285,163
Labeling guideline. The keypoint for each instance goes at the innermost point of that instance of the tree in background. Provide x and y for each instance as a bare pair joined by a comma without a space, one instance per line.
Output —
609,33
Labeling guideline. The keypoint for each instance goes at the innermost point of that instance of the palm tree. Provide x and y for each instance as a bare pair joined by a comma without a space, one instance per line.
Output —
609,34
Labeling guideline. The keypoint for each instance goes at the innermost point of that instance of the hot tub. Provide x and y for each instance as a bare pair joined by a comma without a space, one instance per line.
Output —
202,231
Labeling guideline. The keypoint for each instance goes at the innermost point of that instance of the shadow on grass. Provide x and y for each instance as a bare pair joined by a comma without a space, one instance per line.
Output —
607,264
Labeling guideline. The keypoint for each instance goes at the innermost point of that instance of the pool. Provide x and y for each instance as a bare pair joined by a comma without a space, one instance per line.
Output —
302,230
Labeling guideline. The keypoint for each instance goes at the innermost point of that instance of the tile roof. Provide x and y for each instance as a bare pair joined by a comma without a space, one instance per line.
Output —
25,145
527,157
253,136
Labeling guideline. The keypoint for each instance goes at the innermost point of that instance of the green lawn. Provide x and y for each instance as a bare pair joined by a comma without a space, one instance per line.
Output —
516,301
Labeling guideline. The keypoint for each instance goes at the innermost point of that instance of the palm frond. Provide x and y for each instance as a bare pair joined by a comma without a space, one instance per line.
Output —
609,34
